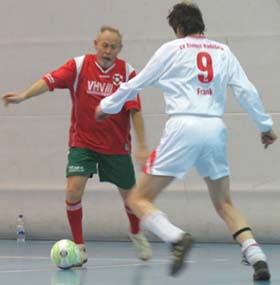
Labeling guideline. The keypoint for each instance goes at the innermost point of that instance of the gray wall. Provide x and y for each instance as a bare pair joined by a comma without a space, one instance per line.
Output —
37,37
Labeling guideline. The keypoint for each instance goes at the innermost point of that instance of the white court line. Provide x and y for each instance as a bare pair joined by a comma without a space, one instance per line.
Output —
23,257
24,270
215,260
92,258
78,269
151,262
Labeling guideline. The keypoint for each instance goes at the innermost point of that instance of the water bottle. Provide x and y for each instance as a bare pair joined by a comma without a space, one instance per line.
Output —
20,229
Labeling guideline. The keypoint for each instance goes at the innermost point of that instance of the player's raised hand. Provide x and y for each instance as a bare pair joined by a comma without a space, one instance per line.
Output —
13,98
268,138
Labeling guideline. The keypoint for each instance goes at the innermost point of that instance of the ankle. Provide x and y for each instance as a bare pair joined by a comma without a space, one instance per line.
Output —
252,251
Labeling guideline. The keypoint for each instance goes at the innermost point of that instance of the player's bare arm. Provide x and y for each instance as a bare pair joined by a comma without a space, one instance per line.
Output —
37,88
141,154
268,138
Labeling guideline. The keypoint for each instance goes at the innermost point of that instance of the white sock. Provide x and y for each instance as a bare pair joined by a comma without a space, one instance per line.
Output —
158,224
252,251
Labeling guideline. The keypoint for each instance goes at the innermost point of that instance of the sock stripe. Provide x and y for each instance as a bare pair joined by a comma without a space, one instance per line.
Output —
128,210
74,206
251,245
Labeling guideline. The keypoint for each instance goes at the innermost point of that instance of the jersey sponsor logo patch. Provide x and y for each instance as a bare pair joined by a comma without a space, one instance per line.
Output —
103,89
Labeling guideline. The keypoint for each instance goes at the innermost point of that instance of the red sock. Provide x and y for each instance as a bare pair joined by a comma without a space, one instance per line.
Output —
75,216
133,221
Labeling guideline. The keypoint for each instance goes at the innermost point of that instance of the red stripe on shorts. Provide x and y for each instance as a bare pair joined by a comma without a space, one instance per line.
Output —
150,161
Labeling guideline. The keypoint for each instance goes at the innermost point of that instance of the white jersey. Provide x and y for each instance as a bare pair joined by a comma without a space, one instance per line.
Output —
193,74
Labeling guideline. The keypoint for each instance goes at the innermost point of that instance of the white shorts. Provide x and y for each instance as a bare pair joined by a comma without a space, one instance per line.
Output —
191,141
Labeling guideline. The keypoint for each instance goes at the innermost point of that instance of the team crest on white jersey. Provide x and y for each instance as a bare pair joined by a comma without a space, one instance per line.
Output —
117,79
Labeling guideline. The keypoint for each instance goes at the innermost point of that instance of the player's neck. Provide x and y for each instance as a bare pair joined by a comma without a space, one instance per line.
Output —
181,36
196,36
102,66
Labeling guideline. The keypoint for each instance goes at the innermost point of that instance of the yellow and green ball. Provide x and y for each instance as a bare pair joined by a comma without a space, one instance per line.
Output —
65,254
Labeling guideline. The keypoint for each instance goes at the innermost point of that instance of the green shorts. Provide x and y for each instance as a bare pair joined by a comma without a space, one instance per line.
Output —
117,169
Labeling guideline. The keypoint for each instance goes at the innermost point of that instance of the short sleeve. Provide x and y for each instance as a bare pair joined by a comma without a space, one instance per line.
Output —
63,77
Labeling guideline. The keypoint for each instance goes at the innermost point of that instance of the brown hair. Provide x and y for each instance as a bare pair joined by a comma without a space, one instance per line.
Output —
187,18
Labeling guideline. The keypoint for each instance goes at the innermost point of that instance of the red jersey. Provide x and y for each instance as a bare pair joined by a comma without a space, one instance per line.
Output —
89,84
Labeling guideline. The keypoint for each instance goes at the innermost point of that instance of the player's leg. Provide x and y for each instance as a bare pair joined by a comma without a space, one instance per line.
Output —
81,165
119,170
141,201
175,155
142,246
213,164
220,196
219,191
75,189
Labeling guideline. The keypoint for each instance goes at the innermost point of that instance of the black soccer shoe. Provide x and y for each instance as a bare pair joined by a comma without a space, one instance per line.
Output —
261,271
179,251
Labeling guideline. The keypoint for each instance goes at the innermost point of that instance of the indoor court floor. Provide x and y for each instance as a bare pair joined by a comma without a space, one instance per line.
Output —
112,263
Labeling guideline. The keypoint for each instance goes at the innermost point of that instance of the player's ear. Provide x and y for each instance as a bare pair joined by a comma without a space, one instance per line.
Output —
95,42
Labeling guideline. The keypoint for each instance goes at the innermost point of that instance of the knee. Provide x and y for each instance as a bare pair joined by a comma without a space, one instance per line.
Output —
73,194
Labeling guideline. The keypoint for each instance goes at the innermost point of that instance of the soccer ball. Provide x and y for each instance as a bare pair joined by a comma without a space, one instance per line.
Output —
65,254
